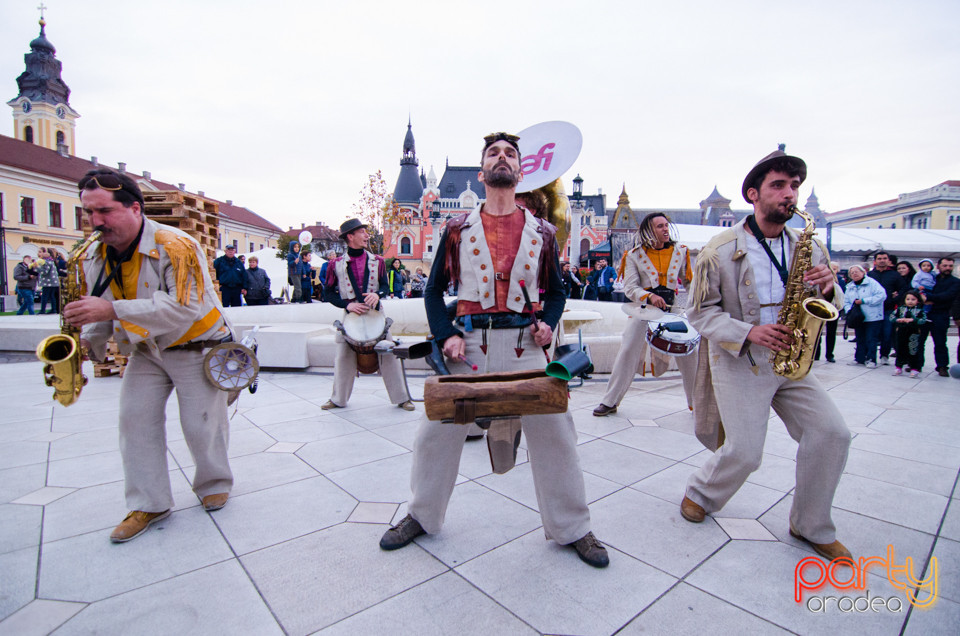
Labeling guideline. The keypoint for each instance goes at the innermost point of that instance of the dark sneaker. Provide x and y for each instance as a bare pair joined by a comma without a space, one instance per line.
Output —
401,534
591,551
603,409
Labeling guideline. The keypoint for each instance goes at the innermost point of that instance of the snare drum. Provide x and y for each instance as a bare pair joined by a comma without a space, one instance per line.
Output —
362,332
672,335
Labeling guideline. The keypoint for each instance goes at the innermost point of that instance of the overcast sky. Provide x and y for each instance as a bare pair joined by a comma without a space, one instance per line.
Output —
286,107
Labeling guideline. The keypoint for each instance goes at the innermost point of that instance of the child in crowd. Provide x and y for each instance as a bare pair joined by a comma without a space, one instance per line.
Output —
909,317
924,280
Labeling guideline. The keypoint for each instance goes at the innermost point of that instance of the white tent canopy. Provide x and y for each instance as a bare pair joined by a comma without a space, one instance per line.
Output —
851,241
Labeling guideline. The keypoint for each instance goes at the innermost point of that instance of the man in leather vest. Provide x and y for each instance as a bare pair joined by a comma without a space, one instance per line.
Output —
654,269
356,282
490,252
150,289
737,290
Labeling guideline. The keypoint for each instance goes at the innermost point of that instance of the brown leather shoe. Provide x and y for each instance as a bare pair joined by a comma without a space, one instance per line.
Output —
692,511
407,406
591,551
603,409
330,405
215,502
135,523
829,551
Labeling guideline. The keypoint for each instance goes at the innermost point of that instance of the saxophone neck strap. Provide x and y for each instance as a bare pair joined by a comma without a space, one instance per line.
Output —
781,265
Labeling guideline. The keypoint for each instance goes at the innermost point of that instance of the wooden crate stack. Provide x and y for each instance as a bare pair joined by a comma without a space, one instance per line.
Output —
195,215
114,363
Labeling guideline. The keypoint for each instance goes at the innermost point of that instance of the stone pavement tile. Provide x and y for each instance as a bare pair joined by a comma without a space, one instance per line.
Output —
95,407
403,434
217,599
947,553
13,454
670,484
518,486
645,422
101,508
687,611
85,443
43,496
48,437
586,422
89,470
653,531
267,517
361,399
778,442
888,502
444,605
475,458
26,412
18,581
39,617
658,441
758,576
775,472
681,422
65,421
651,405
902,472
940,431
478,520
347,451
17,482
939,620
863,536
285,447
89,567
617,463
373,512
288,412
24,431
19,527
311,429
745,529
549,588
266,470
384,480
244,442
378,416
268,394
951,524
907,448
320,579
858,412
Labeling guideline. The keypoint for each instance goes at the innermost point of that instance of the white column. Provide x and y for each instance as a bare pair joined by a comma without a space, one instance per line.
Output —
576,211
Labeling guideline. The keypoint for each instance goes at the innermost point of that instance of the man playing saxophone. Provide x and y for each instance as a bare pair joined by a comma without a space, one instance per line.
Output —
148,286
738,286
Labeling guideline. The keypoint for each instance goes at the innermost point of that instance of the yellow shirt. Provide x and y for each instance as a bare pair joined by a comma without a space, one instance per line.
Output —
129,271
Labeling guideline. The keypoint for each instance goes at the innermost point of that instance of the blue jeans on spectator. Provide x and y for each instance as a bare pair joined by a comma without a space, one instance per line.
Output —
231,296
939,325
887,335
25,299
50,295
868,337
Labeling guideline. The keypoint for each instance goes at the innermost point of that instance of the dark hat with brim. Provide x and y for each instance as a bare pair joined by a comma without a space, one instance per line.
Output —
756,174
349,226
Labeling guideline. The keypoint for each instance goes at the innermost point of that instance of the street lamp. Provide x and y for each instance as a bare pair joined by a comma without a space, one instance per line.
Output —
577,214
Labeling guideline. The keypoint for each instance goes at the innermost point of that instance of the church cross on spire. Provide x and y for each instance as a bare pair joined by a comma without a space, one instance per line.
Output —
41,9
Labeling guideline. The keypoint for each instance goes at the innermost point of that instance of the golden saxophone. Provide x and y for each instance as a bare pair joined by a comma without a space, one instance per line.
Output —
801,312
61,353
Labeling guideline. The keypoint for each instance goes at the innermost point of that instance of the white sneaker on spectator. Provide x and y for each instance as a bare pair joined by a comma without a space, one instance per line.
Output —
871,365
885,361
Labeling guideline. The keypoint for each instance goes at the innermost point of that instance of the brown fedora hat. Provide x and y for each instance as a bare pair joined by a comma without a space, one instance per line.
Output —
349,226
763,166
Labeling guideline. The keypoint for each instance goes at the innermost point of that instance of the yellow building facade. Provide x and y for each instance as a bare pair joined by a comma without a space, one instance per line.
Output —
935,208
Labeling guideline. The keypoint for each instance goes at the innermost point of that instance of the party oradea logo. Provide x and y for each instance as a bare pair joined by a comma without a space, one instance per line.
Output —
843,574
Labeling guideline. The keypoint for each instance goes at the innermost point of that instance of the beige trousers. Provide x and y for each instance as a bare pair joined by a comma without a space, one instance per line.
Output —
633,351
146,386
551,442
811,418
345,373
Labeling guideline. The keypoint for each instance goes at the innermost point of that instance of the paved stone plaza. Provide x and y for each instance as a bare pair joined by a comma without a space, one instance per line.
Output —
295,550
